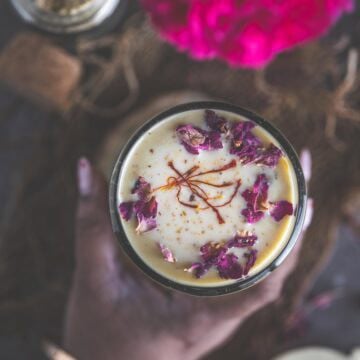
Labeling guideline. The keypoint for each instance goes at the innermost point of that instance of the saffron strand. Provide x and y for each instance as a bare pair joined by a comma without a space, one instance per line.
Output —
188,180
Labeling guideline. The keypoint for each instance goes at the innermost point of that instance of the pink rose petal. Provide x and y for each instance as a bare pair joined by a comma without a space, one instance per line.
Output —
126,209
194,139
250,260
141,188
167,254
280,209
229,268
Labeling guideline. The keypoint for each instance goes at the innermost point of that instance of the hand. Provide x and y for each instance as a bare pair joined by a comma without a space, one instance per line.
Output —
115,312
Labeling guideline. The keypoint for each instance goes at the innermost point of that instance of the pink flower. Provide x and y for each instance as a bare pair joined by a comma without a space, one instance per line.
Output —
246,33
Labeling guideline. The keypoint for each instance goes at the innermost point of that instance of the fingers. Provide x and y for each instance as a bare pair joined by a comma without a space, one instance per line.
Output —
245,303
268,290
305,161
95,247
272,286
308,215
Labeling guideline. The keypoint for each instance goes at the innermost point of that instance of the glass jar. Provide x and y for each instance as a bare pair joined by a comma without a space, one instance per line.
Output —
242,283
65,16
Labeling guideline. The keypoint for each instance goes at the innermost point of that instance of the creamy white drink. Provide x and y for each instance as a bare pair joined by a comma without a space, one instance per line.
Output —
205,201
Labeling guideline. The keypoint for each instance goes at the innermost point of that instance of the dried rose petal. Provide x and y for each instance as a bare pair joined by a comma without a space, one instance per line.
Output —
256,200
198,269
269,157
191,137
211,252
250,260
145,224
144,209
148,208
216,122
280,209
241,133
167,254
126,209
212,142
227,264
252,216
249,148
256,203
146,214
141,188
229,267
215,254
257,196
244,143
242,240
195,139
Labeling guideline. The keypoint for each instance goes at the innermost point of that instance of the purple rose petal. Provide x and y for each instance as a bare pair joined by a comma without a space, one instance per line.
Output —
191,149
167,254
252,216
229,267
198,269
280,209
126,209
141,188
191,137
244,143
247,154
212,142
215,254
257,196
145,209
241,133
256,203
216,122
249,148
227,264
145,224
242,240
195,139
212,252
250,260
146,214
269,157
256,200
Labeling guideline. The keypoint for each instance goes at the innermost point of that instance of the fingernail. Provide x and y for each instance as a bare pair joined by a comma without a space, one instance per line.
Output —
84,177
309,213
305,160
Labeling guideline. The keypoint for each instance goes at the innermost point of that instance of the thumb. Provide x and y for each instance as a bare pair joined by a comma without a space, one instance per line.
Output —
96,251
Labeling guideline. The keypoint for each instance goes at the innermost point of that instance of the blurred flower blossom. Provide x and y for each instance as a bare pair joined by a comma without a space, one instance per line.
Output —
244,33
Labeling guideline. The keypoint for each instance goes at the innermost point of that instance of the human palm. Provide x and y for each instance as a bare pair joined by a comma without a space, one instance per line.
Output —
114,312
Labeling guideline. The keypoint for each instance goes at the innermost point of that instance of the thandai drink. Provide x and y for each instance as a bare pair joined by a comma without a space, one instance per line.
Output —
207,198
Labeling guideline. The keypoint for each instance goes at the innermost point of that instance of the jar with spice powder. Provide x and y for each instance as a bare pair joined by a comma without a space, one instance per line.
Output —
65,16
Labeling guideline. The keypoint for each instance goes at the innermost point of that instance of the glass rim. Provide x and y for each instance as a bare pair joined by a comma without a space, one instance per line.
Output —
236,285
